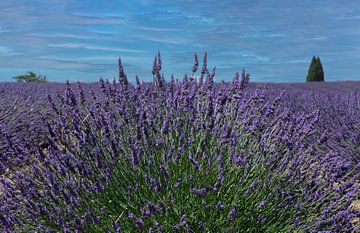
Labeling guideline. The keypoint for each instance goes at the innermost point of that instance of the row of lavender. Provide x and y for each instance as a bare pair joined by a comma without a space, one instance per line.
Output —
179,156
20,107
339,110
23,106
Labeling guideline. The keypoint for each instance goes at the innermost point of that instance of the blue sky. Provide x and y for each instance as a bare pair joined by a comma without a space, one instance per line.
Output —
273,40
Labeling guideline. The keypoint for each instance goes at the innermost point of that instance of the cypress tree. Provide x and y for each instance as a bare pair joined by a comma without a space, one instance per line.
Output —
315,72
310,76
320,70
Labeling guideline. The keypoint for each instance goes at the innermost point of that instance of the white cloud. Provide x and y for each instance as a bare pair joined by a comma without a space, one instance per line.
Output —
99,15
160,29
168,40
200,19
59,35
112,59
93,47
5,51
115,58
319,38
275,35
348,17
97,19
2,30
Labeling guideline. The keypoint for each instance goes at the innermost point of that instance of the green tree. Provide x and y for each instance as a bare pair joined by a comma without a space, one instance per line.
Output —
31,77
315,72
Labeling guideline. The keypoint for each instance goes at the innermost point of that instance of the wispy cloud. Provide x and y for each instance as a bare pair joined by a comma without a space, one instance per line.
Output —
196,19
348,17
273,35
102,32
96,19
318,38
167,40
98,15
60,35
159,29
113,59
98,59
94,47
5,51
2,30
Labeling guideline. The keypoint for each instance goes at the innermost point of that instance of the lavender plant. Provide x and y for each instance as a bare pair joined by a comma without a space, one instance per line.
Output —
186,156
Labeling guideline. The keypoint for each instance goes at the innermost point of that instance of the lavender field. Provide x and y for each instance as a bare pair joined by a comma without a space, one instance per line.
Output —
186,155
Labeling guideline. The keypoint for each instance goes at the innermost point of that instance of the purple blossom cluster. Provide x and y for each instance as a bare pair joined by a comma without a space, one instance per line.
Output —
185,155
21,112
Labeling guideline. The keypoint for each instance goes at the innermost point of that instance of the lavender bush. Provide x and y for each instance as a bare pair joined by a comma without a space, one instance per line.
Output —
186,156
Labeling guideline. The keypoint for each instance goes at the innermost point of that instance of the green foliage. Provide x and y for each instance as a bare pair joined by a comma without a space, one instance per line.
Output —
179,200
31,77
316,72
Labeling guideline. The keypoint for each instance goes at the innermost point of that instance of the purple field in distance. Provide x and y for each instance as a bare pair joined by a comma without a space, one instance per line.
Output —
319,123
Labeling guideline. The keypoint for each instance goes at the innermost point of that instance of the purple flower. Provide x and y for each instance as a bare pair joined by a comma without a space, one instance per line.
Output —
220,206
296,220
116,226
196,63
204,69
159,62
233,214
165,127
138,221
262,205
154,69
191,178
121,70
201,225
162,205
164,172
182,224
199,192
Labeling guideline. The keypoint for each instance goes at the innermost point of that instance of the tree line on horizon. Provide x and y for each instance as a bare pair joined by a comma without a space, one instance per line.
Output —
31,77
315,74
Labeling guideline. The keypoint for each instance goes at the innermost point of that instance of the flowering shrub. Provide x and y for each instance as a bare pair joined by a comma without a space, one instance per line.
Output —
187,156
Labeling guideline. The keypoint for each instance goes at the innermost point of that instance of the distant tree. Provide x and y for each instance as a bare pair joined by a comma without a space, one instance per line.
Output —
31,77
316,72
321,70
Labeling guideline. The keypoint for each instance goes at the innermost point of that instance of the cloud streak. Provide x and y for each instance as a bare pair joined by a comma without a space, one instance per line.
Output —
5,51
93,47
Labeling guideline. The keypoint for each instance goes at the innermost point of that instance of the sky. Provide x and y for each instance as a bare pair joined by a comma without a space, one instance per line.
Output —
273,40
